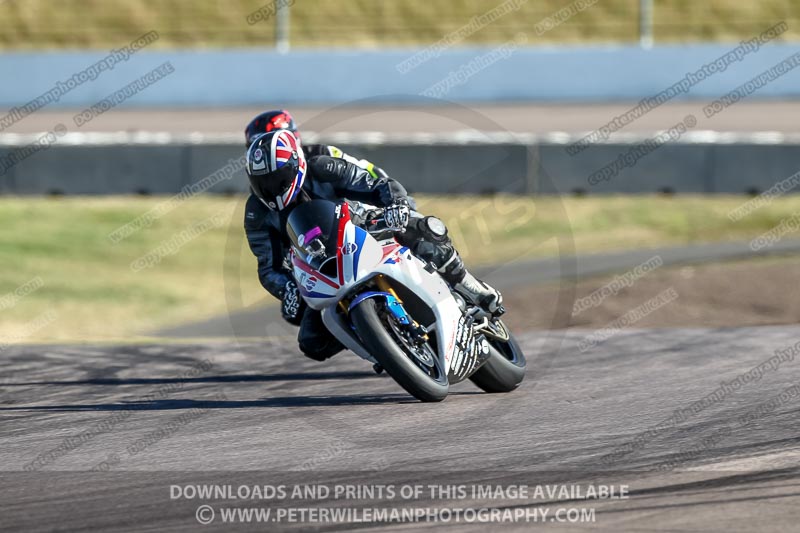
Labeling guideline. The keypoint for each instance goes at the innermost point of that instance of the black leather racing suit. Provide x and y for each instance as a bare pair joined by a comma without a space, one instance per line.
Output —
312,150
334,179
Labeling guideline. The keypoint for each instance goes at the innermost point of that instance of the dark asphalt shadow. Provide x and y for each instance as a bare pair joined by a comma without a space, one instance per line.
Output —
274,402
237,378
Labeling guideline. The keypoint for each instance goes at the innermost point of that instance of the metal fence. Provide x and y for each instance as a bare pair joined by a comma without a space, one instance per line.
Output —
37,24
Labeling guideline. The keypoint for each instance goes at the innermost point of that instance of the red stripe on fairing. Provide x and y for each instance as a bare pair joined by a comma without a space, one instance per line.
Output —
389,250
307,269
340,240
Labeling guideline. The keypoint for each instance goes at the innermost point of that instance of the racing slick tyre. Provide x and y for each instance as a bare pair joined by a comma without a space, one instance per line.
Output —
505,369
425,383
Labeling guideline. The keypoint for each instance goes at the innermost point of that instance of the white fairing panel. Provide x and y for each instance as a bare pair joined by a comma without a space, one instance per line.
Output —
362,257
359,255
431,288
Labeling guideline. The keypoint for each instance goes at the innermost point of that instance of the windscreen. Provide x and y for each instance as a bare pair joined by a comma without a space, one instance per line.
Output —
312,228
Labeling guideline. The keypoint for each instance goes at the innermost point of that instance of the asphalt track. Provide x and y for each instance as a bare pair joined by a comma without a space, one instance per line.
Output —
778,116
261,414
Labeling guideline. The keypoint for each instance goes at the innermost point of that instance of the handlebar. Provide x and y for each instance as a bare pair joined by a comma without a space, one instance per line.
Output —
375,223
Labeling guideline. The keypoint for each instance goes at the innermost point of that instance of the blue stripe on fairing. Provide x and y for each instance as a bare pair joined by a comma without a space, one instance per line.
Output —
361,236
391,261
365,295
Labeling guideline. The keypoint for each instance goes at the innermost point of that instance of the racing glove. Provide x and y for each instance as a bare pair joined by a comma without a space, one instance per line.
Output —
292,305
396,216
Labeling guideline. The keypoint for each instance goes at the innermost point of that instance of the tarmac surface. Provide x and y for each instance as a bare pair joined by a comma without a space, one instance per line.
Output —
622,412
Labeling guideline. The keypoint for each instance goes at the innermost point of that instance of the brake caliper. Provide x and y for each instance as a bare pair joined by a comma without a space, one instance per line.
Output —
418,333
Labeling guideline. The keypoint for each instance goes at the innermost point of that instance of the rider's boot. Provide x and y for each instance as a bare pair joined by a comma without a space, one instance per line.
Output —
480,293
471,288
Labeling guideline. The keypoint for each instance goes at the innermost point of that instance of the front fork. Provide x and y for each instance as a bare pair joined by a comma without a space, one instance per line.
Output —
399,312
395,306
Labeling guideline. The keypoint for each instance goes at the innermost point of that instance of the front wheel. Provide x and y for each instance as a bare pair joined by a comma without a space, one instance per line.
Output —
427,383
505,369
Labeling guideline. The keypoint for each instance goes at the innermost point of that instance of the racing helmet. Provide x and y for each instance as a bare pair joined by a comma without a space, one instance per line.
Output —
276,168
269,121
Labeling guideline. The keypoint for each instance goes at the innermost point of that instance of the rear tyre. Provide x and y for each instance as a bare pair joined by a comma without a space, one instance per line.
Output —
505,369
397,363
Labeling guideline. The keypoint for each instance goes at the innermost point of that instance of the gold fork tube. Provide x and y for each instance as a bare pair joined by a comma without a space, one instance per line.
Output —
383,285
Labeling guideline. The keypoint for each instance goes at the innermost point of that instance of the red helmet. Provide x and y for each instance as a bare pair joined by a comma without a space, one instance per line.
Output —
267,122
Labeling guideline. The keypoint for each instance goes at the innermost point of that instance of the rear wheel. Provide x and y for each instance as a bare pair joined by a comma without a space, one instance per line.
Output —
414,367
505,369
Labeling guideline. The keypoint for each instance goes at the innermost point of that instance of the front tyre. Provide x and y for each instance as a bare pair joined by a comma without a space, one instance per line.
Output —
505,369
374,333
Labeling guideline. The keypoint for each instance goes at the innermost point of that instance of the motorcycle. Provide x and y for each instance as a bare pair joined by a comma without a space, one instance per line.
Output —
393,309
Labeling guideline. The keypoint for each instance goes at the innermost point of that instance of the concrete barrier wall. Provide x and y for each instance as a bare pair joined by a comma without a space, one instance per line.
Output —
530,167
268,79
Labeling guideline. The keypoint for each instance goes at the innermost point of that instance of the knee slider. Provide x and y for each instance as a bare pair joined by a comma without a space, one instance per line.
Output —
433,229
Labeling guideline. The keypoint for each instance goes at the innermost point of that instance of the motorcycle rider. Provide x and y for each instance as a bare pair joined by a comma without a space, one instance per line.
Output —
280,177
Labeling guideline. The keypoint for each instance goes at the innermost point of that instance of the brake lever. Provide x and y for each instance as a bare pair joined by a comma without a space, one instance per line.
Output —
376,225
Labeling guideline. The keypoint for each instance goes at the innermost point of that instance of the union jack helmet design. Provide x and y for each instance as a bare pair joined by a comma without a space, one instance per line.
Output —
276,167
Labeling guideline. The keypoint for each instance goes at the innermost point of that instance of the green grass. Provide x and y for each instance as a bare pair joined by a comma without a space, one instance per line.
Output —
368,23
97,296
88,280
